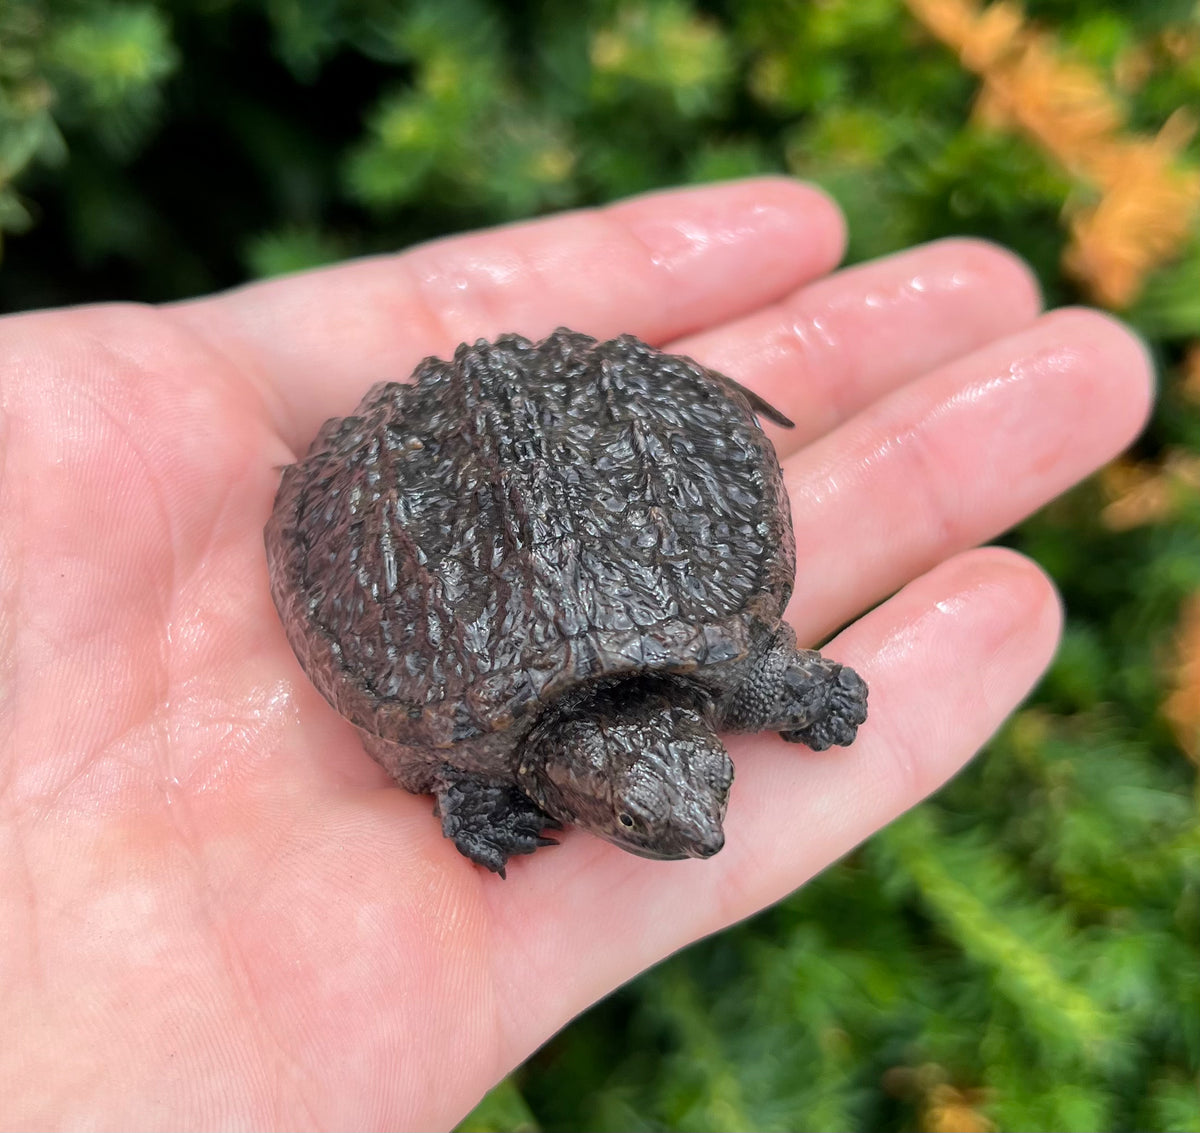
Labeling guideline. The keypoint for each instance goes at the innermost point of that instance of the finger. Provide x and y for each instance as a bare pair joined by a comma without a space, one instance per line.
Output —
958,457
836,345
947,659
657,266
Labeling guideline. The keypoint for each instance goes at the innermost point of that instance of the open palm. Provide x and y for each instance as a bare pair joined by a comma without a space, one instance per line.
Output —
214,910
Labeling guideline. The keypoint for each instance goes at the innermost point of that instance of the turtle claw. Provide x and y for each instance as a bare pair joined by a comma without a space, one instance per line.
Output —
844,709
490,822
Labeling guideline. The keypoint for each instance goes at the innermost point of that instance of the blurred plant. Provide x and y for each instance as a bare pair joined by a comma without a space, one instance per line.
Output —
1139,199
461,127
97,67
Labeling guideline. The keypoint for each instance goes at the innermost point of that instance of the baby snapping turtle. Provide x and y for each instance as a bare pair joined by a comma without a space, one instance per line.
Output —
540,579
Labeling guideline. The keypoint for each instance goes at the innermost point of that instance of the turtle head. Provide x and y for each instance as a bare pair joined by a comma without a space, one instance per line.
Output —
635,762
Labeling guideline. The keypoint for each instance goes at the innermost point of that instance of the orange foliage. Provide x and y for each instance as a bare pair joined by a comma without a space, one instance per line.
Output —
1140,493
1182,707
948,1110
1138,200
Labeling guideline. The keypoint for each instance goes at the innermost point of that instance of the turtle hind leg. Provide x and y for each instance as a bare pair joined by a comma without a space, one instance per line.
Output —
488,821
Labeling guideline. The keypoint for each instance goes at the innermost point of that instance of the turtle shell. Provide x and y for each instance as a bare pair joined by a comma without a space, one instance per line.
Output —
465,548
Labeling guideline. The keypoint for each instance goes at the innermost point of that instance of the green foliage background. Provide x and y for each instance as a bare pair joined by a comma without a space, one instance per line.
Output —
1024,950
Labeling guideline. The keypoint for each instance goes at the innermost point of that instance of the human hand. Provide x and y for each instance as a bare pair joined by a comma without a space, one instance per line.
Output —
216,910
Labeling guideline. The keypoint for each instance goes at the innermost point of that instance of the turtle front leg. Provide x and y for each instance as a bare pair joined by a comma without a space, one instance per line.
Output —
488,821
803,696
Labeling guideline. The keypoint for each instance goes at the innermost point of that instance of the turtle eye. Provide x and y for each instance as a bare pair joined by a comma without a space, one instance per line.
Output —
625,819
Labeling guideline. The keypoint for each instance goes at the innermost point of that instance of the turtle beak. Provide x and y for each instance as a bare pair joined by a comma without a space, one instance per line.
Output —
701,838
706,840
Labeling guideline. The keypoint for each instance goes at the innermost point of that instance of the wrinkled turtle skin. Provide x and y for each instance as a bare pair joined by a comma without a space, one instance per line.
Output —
540,578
